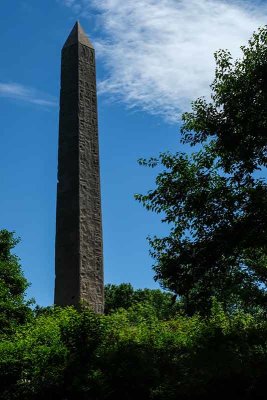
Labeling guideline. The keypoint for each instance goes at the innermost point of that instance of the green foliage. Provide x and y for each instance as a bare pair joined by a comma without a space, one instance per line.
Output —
134,351
14,309
118,296
66,354
213,199
125,296
50,357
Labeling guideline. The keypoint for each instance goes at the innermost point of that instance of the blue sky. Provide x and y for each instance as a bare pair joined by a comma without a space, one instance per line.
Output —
153,58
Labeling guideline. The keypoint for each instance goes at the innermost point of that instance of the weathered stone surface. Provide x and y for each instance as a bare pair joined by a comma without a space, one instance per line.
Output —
79,253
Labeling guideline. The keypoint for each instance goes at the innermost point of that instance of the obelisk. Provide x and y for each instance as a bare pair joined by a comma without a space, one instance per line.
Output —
79,254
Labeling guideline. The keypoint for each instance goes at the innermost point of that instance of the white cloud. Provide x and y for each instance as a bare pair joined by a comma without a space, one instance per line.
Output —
159,53
27,94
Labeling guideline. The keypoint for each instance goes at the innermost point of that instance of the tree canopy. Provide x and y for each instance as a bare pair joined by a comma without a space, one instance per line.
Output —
67,354
215,198
125,296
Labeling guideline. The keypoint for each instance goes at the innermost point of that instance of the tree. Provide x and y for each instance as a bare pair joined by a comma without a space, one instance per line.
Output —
215,199
118,296
14,309
124,296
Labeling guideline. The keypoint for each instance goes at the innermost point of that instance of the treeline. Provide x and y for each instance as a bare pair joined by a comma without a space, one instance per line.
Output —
144,346
65,354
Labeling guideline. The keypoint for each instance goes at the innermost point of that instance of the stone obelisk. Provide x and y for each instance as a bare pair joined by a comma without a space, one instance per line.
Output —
79,254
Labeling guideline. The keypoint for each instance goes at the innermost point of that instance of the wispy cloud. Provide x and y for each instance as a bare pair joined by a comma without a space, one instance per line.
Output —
159,54
20,92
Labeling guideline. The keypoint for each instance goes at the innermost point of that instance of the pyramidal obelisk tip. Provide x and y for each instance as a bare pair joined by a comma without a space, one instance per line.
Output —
77,35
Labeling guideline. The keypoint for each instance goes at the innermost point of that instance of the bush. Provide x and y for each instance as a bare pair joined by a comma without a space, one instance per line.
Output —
66,354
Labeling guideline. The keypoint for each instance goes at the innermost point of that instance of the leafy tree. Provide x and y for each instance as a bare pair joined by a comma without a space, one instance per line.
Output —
124,296
14,309
215,199
118,296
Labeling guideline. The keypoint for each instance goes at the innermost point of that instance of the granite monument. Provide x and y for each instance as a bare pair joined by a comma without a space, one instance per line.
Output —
78,249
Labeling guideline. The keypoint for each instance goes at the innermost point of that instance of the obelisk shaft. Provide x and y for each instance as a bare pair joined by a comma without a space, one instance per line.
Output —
79,254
